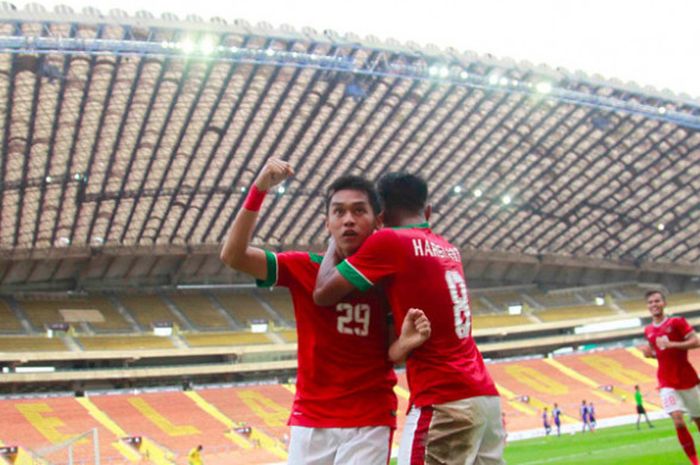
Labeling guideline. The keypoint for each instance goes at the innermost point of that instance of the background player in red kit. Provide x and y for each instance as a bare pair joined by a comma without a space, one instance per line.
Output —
669,339
456,414
344,408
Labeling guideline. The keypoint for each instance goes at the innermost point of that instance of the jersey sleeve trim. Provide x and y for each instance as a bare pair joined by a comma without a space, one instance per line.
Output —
356,278
272,269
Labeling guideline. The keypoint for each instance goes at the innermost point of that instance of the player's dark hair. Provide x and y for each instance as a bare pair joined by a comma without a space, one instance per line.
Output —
356,183
403,192
655,291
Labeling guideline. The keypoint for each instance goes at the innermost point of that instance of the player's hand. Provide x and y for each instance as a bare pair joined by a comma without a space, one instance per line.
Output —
273,173
662,342
415,329
647,351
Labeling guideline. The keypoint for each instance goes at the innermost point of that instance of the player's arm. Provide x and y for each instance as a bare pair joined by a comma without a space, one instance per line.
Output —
415,330
331,286
237,252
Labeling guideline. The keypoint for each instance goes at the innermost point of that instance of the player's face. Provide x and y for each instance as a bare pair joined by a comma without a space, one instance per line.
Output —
656,304
350,220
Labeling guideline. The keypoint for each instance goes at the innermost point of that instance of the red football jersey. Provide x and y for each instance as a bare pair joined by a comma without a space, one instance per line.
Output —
419,269
344,376
675,371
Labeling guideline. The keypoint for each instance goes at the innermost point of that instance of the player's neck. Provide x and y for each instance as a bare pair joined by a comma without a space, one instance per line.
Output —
658,319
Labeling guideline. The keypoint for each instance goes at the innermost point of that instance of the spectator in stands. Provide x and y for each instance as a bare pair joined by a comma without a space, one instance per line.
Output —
545,422
345,407
556,418
585,418
669,340
449,385
640,407
195,456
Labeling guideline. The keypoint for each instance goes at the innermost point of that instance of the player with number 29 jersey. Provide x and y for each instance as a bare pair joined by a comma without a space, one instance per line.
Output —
419,269
344,376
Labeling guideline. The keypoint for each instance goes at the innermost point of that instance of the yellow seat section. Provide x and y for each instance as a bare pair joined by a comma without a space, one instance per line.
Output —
30,343
42,312
200,311
124,342
500,299
497,321
226,339
113,319
636,305
8,320
289,335
243,307
683,298
147,309
574,312
281,301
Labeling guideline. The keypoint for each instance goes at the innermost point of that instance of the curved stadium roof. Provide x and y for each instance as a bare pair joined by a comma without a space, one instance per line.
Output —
128,142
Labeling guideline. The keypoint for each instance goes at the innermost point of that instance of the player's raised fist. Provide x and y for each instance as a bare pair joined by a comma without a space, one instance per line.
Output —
273,173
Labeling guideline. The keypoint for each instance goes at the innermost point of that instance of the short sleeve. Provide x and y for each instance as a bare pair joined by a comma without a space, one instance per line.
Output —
380,256
683,327
281,268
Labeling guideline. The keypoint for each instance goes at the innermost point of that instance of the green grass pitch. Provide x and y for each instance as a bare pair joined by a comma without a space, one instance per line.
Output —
622,445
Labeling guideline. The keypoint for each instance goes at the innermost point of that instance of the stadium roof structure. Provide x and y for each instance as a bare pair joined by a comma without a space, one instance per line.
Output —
128,144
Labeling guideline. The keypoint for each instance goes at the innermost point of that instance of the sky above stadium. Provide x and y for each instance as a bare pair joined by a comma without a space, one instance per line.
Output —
647,41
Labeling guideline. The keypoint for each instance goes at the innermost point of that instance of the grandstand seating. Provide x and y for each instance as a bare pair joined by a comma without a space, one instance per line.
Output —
574,312
501,299
243,307
633,306
239,338
281,301
135,342
498,320
180,420
30,343
40,422
200,310
684,298
42,312
288,335
147,309
8,321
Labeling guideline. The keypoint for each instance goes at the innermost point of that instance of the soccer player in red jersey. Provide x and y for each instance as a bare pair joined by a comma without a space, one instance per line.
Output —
670,339
455,414
344,409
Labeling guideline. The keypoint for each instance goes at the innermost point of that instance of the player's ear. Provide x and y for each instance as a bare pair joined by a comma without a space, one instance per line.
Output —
379,220
428,210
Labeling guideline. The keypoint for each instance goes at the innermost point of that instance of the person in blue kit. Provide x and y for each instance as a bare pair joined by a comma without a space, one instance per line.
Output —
556,418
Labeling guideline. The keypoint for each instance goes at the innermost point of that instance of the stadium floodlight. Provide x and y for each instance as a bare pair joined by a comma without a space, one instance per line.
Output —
544,87
600,300
207,46
48,179
464,75
503,81
662,110
506,199
493,79
187,46
661,226
444,72
457,189
281,189
515,309
478,193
